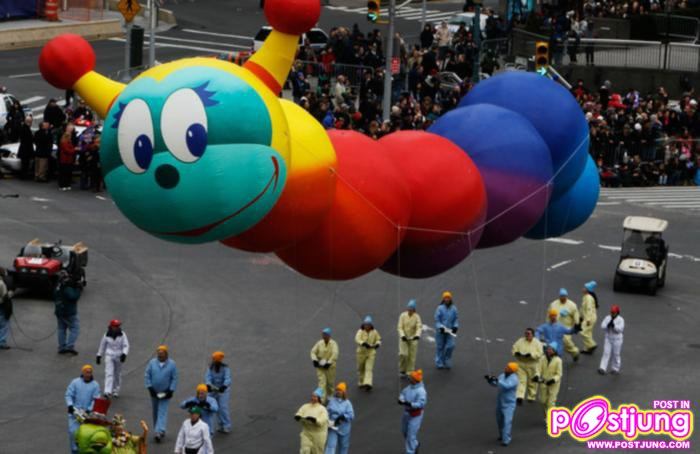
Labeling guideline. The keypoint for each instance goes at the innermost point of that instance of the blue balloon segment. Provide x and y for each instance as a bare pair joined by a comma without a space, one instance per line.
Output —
570,210
551,109
514,163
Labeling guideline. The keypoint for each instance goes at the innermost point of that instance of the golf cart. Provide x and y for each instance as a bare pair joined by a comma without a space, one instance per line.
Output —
644,255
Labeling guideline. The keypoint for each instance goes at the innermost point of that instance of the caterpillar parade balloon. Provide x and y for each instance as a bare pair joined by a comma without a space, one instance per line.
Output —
199,150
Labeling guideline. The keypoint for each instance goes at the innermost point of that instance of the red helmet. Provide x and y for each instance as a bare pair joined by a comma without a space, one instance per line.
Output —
615,309
115,323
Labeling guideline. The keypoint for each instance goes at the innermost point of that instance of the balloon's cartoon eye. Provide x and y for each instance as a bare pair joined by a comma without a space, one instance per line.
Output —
135,136
183,123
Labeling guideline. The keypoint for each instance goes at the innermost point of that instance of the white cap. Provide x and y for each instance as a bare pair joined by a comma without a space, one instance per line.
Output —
637,127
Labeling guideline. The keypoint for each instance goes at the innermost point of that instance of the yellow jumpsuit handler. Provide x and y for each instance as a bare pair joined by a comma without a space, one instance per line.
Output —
368,341
313,417
569,317
324,356
410,327
589,317
527,351
550,377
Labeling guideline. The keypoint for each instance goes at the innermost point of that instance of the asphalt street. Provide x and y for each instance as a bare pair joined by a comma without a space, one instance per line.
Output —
266,317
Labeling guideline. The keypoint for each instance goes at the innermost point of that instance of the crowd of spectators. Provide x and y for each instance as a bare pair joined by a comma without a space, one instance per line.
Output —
67,140
642,140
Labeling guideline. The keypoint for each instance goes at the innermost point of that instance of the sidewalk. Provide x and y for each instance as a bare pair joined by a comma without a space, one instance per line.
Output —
18,34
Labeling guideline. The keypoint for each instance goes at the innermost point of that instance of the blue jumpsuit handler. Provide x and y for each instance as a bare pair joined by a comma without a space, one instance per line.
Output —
161,382
80,395
446,325
341,414
507,384
218,381
413,398
554,331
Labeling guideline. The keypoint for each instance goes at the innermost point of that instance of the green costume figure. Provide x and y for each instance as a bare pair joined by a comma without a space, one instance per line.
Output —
99,439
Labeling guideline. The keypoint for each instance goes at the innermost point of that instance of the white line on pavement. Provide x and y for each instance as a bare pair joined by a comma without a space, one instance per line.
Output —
177,46
641,198
610,248
31,100
689,203
559,265
17,76
564,241
432,16
224,35
196,41
608,203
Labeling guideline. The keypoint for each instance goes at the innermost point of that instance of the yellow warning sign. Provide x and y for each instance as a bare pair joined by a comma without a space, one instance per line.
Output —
129,9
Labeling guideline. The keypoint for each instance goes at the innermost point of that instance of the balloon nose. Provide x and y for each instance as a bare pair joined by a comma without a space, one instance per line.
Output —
167,176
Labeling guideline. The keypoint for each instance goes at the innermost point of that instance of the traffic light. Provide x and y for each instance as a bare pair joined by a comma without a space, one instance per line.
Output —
373,10
541,55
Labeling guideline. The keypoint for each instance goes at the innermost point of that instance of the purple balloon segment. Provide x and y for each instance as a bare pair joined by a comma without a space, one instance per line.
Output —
422,262
514,162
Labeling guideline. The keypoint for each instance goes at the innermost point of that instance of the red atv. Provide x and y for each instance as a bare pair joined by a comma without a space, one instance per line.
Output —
37,266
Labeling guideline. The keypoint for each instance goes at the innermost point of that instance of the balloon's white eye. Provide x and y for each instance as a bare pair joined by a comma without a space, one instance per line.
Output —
135,136
183,124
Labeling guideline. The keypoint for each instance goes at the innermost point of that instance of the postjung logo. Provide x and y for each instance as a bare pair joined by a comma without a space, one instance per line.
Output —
595,416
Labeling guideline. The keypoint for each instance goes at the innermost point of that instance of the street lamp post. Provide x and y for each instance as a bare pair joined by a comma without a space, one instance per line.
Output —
386,101
152,33
477,41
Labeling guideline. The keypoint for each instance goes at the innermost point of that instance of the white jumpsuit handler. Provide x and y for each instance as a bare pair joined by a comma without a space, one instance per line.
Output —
613,325
114,348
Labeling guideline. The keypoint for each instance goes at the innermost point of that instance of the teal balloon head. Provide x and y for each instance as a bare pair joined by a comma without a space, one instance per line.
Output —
193,151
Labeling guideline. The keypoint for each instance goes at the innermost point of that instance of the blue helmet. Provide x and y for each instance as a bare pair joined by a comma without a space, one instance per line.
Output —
563,292
367,320
411,304
590,286
326,331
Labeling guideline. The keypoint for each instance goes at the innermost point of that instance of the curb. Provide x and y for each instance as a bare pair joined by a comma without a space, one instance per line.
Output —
37,36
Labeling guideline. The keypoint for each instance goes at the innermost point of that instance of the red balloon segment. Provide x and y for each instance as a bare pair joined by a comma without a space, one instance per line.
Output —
361,230
448,202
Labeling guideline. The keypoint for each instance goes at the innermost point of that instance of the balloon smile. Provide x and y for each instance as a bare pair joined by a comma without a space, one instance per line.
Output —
207,228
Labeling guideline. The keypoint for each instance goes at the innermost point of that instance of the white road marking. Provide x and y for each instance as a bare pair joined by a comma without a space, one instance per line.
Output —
608,203
100,197
177,46
31,100
498,339
197,41
428,328
407,13
610,248
221,35
559,265
18,76
564,241
430,339
39,199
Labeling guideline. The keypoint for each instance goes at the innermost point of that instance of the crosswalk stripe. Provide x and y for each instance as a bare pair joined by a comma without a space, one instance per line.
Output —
197,41
679,203
656,197
433,16
405,13
224,35
31,100
668,197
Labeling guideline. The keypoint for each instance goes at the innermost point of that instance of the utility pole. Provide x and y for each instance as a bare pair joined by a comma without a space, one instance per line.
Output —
127,50
388,56
152,33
